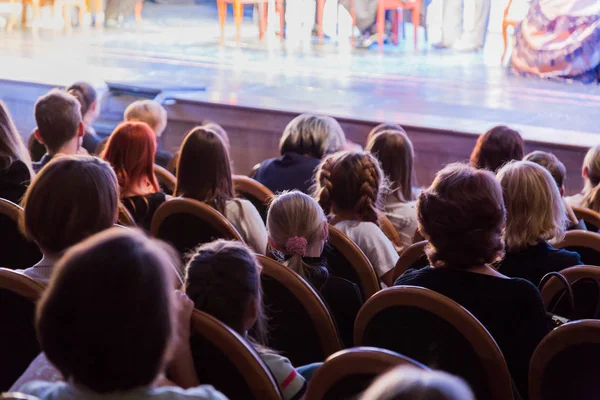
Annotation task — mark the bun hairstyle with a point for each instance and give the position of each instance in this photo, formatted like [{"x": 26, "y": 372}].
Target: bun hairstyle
[
  {"x": 462, "y": 215},
  {"x": 295, "y": 222},
  {"x": 85, "y": 95},
  {"x": 591, "y": 192},
  {"x": 351, "y": 182}
]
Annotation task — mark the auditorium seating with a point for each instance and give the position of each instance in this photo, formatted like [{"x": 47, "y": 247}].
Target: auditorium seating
[
  {"x": 590, "y": 217},
  {"x": 413, "y": 257},
  {"x": 166, "y": 180},
  {"x": 16, "y": 252},
  {"x": 255, "y": 192},
  {"x": 580, "y": 300},
  {"x": 587, "y": 244}
]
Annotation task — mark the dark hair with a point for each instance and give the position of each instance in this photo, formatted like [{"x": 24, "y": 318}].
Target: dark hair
[
  {"x": 72, "y": 197},
  {"x": 384, "y": 128},
  {"x": 222, "y": 278},
  {"x": 58, "y": 116},
  {"x": 204, "y": 169},
  {"x": 85, "y": 95},
  {"x": 395, "y": 152},
  {"x": 462, "y": 215},
  {"x": 105, "y": 321},
  {"x": 551, "y": 163},
  {"x": 496, "y": 147},
  {"x": 351, "y": 182}
]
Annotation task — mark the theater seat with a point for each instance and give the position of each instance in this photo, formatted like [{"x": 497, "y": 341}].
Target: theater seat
[
  {"x": 413, "y": 257},
  {"x": 587, "y": 244},
  {"x": 255, "y": 192},
  {"x": 16, "y": 252},
  {"x": 585, "y": 287}
]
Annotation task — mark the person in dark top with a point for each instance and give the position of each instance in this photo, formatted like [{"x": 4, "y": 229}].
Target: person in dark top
[
  {"x": 297, "y": 230},
  {"x": 305, "y": 141},
  {"x": 130, "y": 150},
  {"x": 90, "y": 111},
  {"x": 462, "y": 216},
  {"x": 59, "y": 125},
  {"x": 15, "y": 164},
  {"x": 535, "y": 213}
]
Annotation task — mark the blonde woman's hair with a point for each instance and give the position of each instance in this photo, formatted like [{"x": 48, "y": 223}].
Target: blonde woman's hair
[
  {"x": 150, "y": 112},
  {"x": 534, "y": 208},
  {"x": 312, "y": 135},
  {"x": 410, "y": 383},
  {"x": 295, "y": 222},
  {"x": 591, "y": 191},
  {"x": 12, "y": 147}
]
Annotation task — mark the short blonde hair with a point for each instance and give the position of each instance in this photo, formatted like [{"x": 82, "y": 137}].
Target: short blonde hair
[
  {"x": 534, "y": 208},
  {"x": 409, "y": 383},
  {"x": 313, "y": 135},
  {"x": 150, "y": 112},
  {"x": 591, "y": 192}
]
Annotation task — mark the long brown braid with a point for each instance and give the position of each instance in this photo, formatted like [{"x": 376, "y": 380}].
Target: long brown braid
[
  {"x": 324, "y": 187},
  {"x": 370, "y": 175}
]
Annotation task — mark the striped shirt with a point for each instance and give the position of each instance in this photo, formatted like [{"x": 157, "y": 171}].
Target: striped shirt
[{"x": 291, "y": 383}]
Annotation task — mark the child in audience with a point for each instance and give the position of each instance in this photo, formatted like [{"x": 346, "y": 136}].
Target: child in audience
[
  {"x": 394, "y": 151},
  {"x": 204, "y": 174},
  {"x": 409, "y": 383},
  {"x": 59, "y": 125},
  {"x": 297, "y": 230},
  {"x": 110, "y": 322},
  {"x": 462, "y": 216},
  {"x": 350, "y": 187},
  {"x": 155, "y": 115},
  {"x": 383, "y": 127},
  {"x": 223, "y": 279},
  {"x": 15, "y": 163},
  {"x": 496, "y": 147},
  {"x": 130, "y": 150},
  {"x": 559, "y": 173},
  {"x": 535, "y": 213},
  {"x": 73, "y": 197},
  {"x": 590, "y": 195},
  {"x": 305, "y": 141},
  {"x": 90, "y": 111}
]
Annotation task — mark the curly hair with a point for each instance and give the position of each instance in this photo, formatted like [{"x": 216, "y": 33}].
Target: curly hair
[
  {"x": 462, "y": 215},
  {"x": 351, "y": 182}
]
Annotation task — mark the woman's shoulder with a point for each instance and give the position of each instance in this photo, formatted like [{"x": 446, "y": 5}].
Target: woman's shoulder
[
  {"x": 566, "y": 257},
  {"x": 18, "y": 169}
]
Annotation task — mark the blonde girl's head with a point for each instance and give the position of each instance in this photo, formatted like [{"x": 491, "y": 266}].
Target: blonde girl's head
[{"x": 297, "y": 228}]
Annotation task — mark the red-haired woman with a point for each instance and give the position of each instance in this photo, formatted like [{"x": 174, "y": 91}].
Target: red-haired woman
[{"x": 130, "y": 150}]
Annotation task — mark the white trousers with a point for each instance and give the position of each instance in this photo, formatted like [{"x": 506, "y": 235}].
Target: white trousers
[{"x": 452, "y": 23}]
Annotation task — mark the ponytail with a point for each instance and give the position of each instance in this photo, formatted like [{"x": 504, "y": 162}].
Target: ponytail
[{"x": 591, "y": 197}]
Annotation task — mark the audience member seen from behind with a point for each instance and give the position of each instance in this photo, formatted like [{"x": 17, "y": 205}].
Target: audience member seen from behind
[
  {"x": 125, "y": 326},
  {"x": 130, "y": 150},
  {"x": 383, "y": 128},
  {"x": 73, "y": 197},
  {"x": 223, "y": 279},
  {"x": 395, "y": 152},
  {"x": 535, "y": 213},
  {"x": 496, "y": 147},
  {"x": 559, "y": 173},
  {"x": 410, "y": 383},
  {"x": 298, "y": 231},
  {"x": 350, "y": 187},
  {"x": 462, "y": 216},
  {"x": 59, "y": 125},
  {"x": 204, "y": 174},
  {"x": 305, "y": 141},
  {"x": 90, "y": 111},
  {"x": 155, "y": 115},
  {"x": 15, "y": 163},
  {"x": 590, "y": 195}
]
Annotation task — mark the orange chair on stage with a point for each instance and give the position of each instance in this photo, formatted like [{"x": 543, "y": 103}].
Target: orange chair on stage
[
  {"x": 397, "y": 6},
  {"x": 238, "y": 15},
  {"x": 506, "y": 22},
  {"x": 320, "y": 11}
]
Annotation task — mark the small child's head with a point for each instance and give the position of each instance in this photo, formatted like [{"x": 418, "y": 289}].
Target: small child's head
[
  {"x": 552, "y": 164},
  {"x": 297, "y": 228},
  {"x": 409, "y": 383},
  {"x": 150, "y": 112},
  {"x": 88, "y": 99},
  {"x": 384, "y": 128},
  {"x": 222, "y": 278},
  {"x": 351, "y": 184},
  {"x": 106, "y": 320}
]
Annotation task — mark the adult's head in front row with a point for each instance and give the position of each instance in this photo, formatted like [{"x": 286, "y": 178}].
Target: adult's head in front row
[
  {"x": 312, "y": 135},
  {"x": 59, "y": 122},
  {"x": 116, "y": 279},
  {"x": 71, "y": 198},
  {"x": 462, "y": 215}
]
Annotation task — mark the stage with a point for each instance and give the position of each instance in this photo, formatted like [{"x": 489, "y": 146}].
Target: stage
[{"x": 254, "y": 87}]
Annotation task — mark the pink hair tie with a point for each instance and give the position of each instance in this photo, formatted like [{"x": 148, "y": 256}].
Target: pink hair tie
[{"x": 296, "y": 245}]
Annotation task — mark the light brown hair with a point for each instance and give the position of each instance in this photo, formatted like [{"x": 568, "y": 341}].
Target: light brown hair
[
  {"x": 12, "y": 147},
  {"x": 384, "y": 128},
  {"x": 58, "y": 117},
  {"x": 312, "y": 135},
  {"x": 71, "y": 198},
  {"x": 106, "y": 319},
  {"x": 395, "y": 152},
  {"x": 535, "y": 210},
  {"x": 551, "y": 163},
  {"x": 204, "y": 169},
  {"x": 150, "y": 112},
  {"x": 351, "y": 182},
  {"x": 462, "y": 215},
  {"x": 591, "y": 191},
  {"x": 496, "y": 147}
]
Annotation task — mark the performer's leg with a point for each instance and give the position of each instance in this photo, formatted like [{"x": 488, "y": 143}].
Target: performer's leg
[
  {"x": 452, "y": 22},
  {"x": 482, "y": 18}
]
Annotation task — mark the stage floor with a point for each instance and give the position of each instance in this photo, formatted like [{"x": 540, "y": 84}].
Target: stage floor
[{"x": 178, "y": 47}]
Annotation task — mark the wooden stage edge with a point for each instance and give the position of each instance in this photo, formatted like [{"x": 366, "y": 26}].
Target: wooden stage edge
[{"x": 255, "y": 132}]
